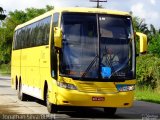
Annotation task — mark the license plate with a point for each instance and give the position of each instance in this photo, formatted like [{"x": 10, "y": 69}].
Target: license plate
[{"x": 98, "y": 98}]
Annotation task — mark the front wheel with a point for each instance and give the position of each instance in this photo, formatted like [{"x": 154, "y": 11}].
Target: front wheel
[
  {"x": 110, "y": 111},
  {"x": 52, "y": 108}
]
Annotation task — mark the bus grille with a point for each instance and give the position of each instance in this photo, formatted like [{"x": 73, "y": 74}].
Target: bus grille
[{"x": 96, "y": 89}]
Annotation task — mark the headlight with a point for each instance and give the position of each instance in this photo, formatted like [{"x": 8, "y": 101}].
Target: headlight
[
  {"x": 124, "y": 88},
  {"x": 67, "y": 86}
]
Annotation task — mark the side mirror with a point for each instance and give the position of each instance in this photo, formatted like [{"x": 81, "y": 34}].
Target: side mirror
[
  {"x": 57, "y": 37},
  {"x": 143, "y": 42}
]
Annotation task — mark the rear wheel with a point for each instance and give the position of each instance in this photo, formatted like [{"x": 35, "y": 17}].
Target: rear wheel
[
  {"x": 52, "y": 108},
  {"x": 21, "y": 95},
  {"x": 110, "y": 111},
  {"x": 16, "y": 83}
]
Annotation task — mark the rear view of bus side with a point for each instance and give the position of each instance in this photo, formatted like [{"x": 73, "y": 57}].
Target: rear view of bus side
[{"x": 77, "y": 57}]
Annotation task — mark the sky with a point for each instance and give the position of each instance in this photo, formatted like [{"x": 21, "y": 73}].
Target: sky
[{"x": 148, "y": 10}]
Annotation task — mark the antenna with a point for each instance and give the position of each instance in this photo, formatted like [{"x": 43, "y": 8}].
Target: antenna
[{"x": 98, "y": 1}]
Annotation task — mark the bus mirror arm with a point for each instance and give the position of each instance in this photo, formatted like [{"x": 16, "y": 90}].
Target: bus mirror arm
[{"x": 57, "y": 37}]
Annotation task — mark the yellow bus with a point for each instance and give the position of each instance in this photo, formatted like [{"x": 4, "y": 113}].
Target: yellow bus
[{"x": 77, "y": 57}]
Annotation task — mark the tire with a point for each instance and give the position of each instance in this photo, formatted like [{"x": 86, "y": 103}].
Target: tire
[
  {"x": 110, "y": 111},
  {"x": 16, "y": 84},
  {"x": 52, "y": 108},
  {"x": 21, "y": 95}
]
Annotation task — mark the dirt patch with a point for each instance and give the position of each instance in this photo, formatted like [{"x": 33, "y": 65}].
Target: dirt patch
[{"x": 7, "y": 110}]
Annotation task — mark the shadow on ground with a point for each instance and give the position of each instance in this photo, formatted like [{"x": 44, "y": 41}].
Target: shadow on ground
[{"x": 68, "y": 113}]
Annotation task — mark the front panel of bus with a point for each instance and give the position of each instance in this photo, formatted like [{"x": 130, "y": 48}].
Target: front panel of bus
[{"x": 96, "y": 61}]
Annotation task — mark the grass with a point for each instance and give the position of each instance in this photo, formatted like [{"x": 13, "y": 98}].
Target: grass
[
  {"x": 5, "y": 69},
  {"x": 147, "y": 95}
]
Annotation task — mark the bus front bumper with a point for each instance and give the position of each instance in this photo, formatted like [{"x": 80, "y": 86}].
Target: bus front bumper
[{"x": 76, "y": 98}]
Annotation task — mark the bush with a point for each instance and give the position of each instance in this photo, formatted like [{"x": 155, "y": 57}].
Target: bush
[
  {"x": 154, "y": 44},
  {"x": 148, "y": 71},
  {"x": 5, "y": 69}
]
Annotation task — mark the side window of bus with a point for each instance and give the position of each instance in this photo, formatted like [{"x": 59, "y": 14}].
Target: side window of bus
[
  {"x": 55, "y": 19},
  {"x": 43, "y": 31},
  {"x": 16, "y": 42},
  {"x": 35, "y": 34}
]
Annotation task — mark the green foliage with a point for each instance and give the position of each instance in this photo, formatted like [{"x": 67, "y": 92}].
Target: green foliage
[
  {"x": 147, "y": 94},
  {"x": 5, "y": 69},
  {"x": 154, "y": 45},
  {"x": 7, "y": 29},
  {"x": 152, "y": 34},
  {"x": 148, "y": 71},
  {"x": 148, "y": 66},
  {"x": 154, "y": 42},
  {"x": 2, "y": 16},
  {"x": 140, "y": 25}
]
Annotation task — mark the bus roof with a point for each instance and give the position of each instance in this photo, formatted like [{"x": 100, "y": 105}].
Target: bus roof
[
  {"x": 93, "y": 10},
  {"x": 74, "y": 9}
]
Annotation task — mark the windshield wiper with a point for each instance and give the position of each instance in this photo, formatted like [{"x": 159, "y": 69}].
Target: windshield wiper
[{"x": 89, "y": 66}]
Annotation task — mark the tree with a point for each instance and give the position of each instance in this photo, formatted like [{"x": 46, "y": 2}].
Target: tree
[
  {"x": 154, "y": 45},
  {"x": 2, "y": 16},
  {"x": 140, "y": 25},
  {"x": 7, "y": 29},
  {"x": 152, "y": 30}
]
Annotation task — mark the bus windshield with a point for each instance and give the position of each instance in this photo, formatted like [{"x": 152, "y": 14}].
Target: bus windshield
[{"x": 97, "y": 46}]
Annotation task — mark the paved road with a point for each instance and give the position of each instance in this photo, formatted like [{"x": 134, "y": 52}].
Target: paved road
[{"x": 9, "y": 104}]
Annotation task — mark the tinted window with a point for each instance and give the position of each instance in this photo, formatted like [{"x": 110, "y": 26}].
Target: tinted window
[
  {"x": 16, "y": 43},
  {"x": 15, "y": 40},
  {"x": 55, "y": 19},
  {"x": 35, "y": 34},
  {"x": 80, "y": 45}
]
